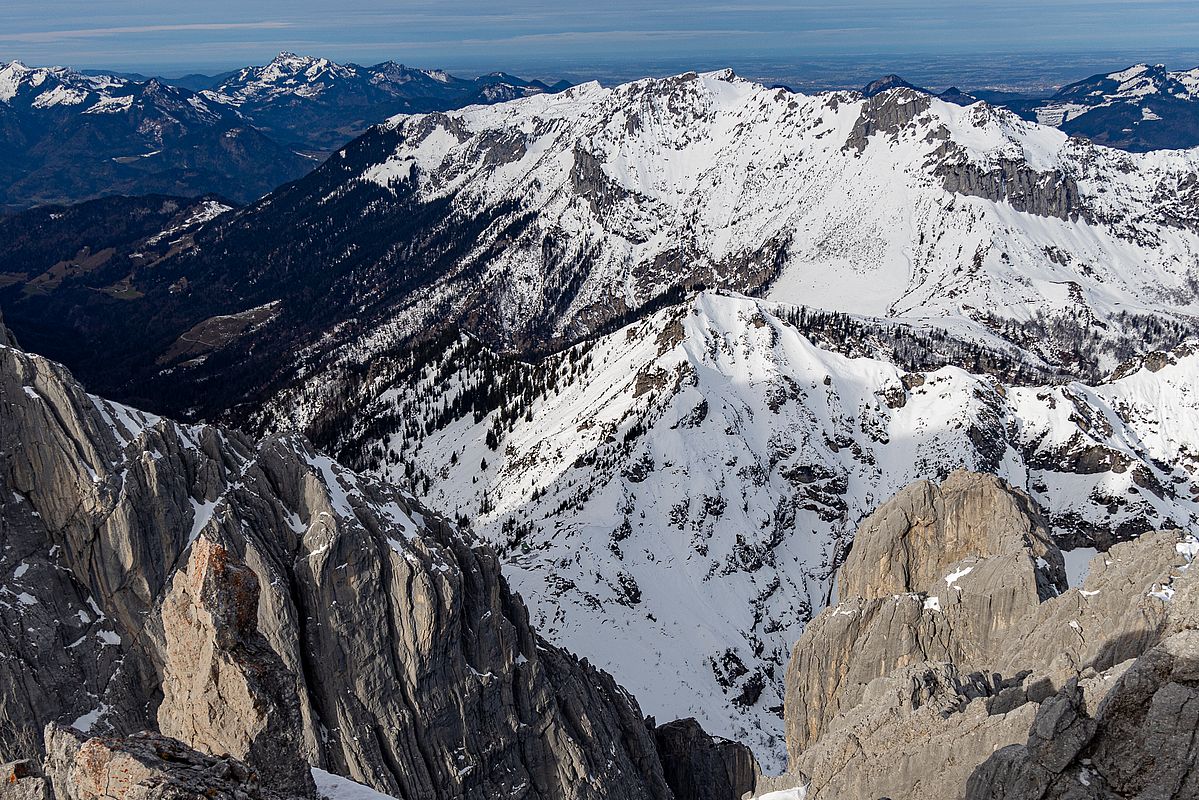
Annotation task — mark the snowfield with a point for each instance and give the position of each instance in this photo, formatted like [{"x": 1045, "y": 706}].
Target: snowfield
[
  {"x": 899, "y": 205},
  {"x": 671, "y": 495},
  {"x": 674, "y": 506}
]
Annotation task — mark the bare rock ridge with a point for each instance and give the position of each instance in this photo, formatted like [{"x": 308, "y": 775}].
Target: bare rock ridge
[
  {"x": 955, "y": 637},
  {"x": 143, "y": 766},
  {"x": 1138, "y": 741},
  {"x": 343, "y": 626},
  {"x": 224, "y": 689}
]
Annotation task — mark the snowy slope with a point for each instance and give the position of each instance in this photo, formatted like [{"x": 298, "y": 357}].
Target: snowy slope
[
  {"x": 1135, "y": 85},
  {"x": 1143, "y": 107},
  {"x": 899, "y": 205},
  {"x": 69, "y": 137},
  {"x": 671, "y": 498}
]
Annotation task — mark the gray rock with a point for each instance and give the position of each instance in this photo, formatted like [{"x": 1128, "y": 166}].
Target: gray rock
[
  {"x": 917, "y": 733},
  {"x": 1012, "y": 181},
  {"x": 23, "y": 780},
  {"x": 912, "y": 541},
  {"x": 886, "y": 113},
  {"x": 1141, "y": 742},
  {"x": 144, "y": 766},
  {"x": 698, "y": 767},
  {"x": 936, "y": 574},
  {"x": 415, "y": 667},
  {"x": 954, "y": 644}
]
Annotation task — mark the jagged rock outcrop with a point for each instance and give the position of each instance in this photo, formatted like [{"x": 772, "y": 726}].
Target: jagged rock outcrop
[
  {"x": 1138, "y": 741},
  {"x": 144, "y": 766},
  {"x": 415, "y": 667},
  {"x": 24, "y": 779},
  {"x": 911, "y": 732},
  {"x": 959, "y": 638},
  {"x": 1043, "y": 193},
  {"x": 900, "y": 601},
  {"x": 912, "y": 540},
  {"x": 886, "y": 113},
  {"x": 699, "y": 767},
  {"x": 225, "y": 691}
]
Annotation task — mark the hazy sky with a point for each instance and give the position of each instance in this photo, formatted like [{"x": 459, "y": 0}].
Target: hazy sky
[{"x": 173, "y": 35}]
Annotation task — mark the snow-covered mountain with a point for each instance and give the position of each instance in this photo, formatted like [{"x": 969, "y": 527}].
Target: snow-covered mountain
[
  {"x": 672, "y": 480},
  {"x": 1144, "y": 107},
  {"x": 552, "y": 218},
  {"x": 597, "y": 200},
  {"x": 672, "y": 497},
  {"x": 70, "y": 136},
  {"x": 320, "y": 104}
]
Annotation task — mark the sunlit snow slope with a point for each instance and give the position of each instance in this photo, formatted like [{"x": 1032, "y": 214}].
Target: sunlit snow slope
[
  {"x": 671, "y": 499},
  {"x": 671, "y": 496},
  {"x": 899, "y": 205}
]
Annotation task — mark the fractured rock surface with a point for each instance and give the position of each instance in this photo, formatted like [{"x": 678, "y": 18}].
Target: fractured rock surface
[
  {"x": 224, "y": 689},
  {"x": 144, "y": 766},
  {"x": 1138, "y": 741},
  {"x": 413, "y": 667},
  {"x": 955, "y": 637}
]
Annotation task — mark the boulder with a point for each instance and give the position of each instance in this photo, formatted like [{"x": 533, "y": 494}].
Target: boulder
[{"x": 144, "y": 766}]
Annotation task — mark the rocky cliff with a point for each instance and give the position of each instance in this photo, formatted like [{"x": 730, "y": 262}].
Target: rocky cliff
[
  {"x": 224, "y": 689},
  {"x": 165, "y": 577},
  {"x": 955, "y": 637},
  {"x": 1134, "y": 739}
]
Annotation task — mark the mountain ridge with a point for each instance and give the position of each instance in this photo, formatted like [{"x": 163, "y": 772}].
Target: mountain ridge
[{"x": 78, "y": 135}]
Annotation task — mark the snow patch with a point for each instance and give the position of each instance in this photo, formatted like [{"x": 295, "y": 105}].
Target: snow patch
[
  {"x": 335, "y": 787},
  {"x": 1078, "y": 565}
]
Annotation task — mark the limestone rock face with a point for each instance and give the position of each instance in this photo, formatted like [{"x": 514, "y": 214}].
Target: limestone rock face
[
  {"x": 415, "y": 668},
  {"x": 225, "y": 691},
  {"x": 955, "y": 637},
  {"x": 1045, "y": 194},
  {"x": 912, "y": 732},
  {"x": 1139, "y": 742},
  {"x": 144, "y": 766},
  {"x": 915, "y": 538},
  {"x": 23, "y": 780},
  {"x": 937, "y": 573},
  {"x": 698, "y": 767}
]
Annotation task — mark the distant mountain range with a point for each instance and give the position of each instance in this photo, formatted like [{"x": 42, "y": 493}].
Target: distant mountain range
[
  {"x": 1141, "y": 108},
  {"x": 71, "y": 136},
  {"x": 317, "y": 104}
]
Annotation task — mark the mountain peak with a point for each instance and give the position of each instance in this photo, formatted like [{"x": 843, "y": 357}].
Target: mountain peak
[
  {"x": 888, "y": 82},
  {"x": 725, "y": 74}
]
